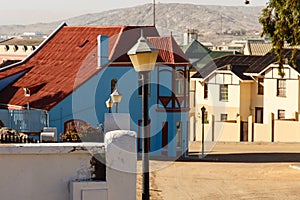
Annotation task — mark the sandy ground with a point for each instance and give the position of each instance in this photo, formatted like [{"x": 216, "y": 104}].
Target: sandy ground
[{"x": 229, "y": 171}]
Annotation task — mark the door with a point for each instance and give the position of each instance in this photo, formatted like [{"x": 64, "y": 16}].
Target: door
[
  {"x": 244, "y": 131},
  {"x": 164, "y": 139},
  {"x": 259, "y": 115}
]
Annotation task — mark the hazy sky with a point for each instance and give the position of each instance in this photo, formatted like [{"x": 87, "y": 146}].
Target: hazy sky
[{"x": 33, "y": 11}]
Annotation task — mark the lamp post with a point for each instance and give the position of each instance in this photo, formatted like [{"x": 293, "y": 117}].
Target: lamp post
[
  {"x": 116, "y": 97},
  {"x": 109, "y": 104},
  {"x": 202, "y": 140},
  {"x": 143, "y": 57}
]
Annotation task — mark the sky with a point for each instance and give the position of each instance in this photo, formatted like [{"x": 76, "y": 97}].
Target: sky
[{"x": 34, "y": 11}]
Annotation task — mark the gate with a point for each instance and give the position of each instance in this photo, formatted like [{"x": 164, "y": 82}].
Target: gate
[{"x": 244, "y": 131}]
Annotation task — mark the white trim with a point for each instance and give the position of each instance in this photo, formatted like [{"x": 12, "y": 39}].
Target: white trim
[
  {"x": 248, "y": 81},
  {"x": 251, "y": 74},
  {"x": 276, "y": 66},
  {"x": 223, "y": 72}
]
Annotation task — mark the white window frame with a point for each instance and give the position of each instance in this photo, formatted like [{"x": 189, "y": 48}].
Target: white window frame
[{"x": 224, "y": 92}]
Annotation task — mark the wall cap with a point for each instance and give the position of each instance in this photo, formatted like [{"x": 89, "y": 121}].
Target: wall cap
[{"x": 52, "y": 148}]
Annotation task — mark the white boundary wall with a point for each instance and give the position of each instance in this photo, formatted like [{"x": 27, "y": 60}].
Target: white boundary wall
[{"x": 60, "y": 170}]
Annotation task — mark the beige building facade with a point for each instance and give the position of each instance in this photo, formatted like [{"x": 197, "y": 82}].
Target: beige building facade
[
  {"x": 246, "y": 100},
  {"x": 17, "y": 48}
]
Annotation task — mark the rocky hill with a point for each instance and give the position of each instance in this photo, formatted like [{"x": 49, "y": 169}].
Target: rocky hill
[{"x": 216, "y": 24}]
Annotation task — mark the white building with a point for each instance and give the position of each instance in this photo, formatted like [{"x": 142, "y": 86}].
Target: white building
[{"x": 234, "y": 87}]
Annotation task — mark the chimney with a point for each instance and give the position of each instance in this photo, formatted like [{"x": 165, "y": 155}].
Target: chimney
[
  {"x": 102, "y": 50},
  {"x": 189, "y": 36}
]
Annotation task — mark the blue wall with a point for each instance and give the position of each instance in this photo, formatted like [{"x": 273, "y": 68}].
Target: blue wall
[
  {"x": 88, "y": 103},
  {"x": 6, "y": 81}
]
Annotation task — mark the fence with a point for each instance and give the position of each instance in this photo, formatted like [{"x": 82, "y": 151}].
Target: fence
[
  {"x": 10, "y": 139},
  {"x": 24, "y": 120}
]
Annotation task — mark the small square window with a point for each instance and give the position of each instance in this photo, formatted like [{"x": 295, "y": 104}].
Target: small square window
[
  {"x": 205, "y": 90},
  {"x": 281, "y": 114},
  {"x": 223, "y": 117},
  {"x": 206, "y": 117}
]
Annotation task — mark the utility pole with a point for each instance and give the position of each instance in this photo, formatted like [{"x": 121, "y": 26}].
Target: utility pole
[{"x": 153, "y": 12}]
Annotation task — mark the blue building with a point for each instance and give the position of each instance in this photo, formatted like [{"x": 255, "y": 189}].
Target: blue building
[{"x": 72, "y": 74}]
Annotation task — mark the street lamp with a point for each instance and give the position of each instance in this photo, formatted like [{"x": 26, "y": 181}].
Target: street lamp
[
  {"x": 109, "y": 104},
  {"x": 203, "y": 121},
  {"x": 116, "y": 97},
  {"x": 143, "y": 57}
]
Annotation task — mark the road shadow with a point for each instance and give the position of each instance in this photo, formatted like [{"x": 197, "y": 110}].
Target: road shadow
[{"x": 245, "y": 158}]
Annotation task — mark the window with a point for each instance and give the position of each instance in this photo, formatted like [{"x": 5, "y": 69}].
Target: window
[
  {"x": 74, "y": 125},
  {"x": 140, "y": 82},
  {"x": 205, "y": 90},
  {"x": 281, "y": 114},
  {"x": 223, "y": 92},
  {"x": 223, "y": 117},
  {"x": 178, "y": 134},
  {"x": 260, "y": 86},
  {"x": 179, "y": 83},
  {"x": 113, "y": 85},
  {"x": 206, "y": 117},
  {"x": 281, "y": 87},
  {"x": 259, "y": 115},
  {"x": 164, "y": 135}
]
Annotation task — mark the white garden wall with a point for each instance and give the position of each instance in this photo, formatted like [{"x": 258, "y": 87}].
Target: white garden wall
[{"x": 62, "y": 171}]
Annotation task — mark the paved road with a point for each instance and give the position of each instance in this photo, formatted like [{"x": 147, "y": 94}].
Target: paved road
[{"x": 231, "y": 171}]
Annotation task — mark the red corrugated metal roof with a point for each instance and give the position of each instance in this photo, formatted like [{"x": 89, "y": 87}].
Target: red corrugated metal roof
[
  {"x": 54, "y": 69},
  {"x": 169, "y": 51}
]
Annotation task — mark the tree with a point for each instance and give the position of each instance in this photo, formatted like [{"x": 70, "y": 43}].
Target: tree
[{"x": 281, "y": 22}]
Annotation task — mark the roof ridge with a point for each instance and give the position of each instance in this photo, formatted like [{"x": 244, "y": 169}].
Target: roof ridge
[
  {"x": 112, "y": 52},
  {"x": 171, "y": 41},
  {"x": 7, "y": 40}
]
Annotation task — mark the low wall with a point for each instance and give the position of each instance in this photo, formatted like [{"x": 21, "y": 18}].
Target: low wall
[
  {"x": 217, "y": 131},
  {"x": 53, "y": 171},
  {"x": 286, "y": 131},
  {"x": 227, "y": 131},
  {"x": 262, "y": 133}
]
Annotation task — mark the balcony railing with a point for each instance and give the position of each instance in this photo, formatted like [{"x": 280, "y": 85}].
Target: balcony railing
[{"x": 25, "y": 121}]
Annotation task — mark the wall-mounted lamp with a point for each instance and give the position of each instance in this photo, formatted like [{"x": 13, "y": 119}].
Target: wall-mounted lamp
[
  {"x": 116, "y": 97},
  {"x": 109, "y": 104}
]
